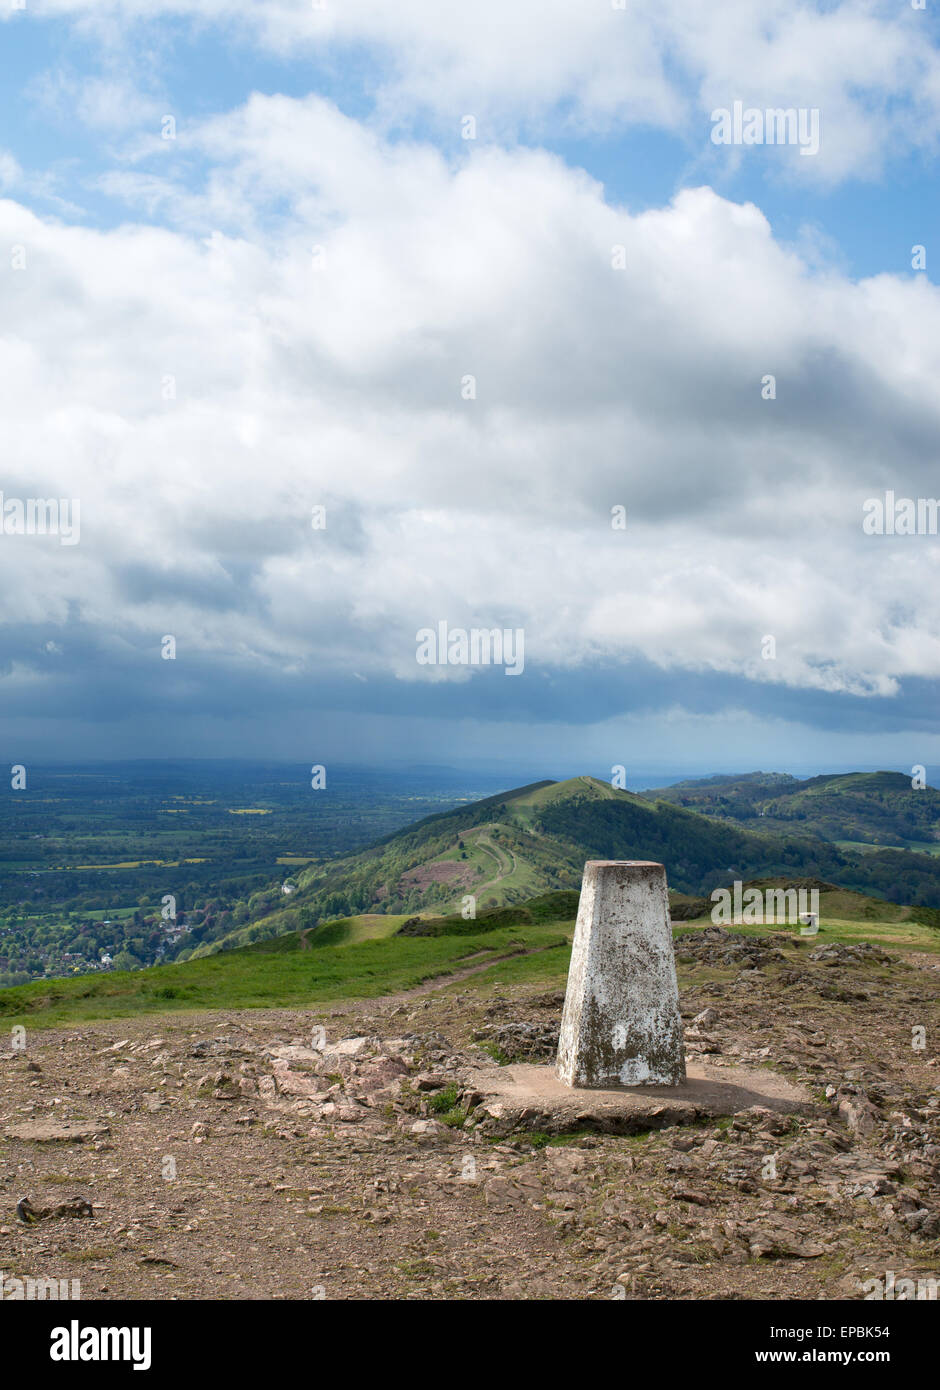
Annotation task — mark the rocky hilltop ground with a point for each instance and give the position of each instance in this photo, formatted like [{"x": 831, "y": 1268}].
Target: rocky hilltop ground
[{"x": 347, "y": 1153}]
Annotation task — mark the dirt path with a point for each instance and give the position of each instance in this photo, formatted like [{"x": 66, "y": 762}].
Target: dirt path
[
  {"x": 503, "y": 858},
  {"x": 440, "y": 981}
]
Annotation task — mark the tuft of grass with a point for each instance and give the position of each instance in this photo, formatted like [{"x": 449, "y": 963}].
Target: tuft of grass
[
  {"x": 537, "y": 1139},
  {"x": 454, "y": 1118},
  {"x": 444, "y": 1100}
]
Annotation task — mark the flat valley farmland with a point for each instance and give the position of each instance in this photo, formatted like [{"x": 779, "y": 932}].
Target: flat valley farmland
[{"x": 87, "y": 857}]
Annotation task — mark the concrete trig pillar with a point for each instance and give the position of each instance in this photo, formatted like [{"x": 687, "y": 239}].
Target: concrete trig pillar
[{"x": 621, "y": 1024}]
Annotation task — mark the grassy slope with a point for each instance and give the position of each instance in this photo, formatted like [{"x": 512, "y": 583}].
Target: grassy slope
[
  {"x": 254, "y": 978},
  {"x": 897, "y": 936},
  {"x": 280, "y": 973},
  {"x": 847, "y": 916},
  {"x": 590, "y": 788},
  {"x": 345, "y": 930}
]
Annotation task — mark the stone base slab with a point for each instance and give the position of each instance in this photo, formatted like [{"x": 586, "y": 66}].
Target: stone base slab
[{"x": 527, "y": 1097}]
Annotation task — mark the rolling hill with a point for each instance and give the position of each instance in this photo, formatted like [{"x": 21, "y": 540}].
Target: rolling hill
[
  {"x": 856, "y": 809},
  {"x": 507, "y": 849}
]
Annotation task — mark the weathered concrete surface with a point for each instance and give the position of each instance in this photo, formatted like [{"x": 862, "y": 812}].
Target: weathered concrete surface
[
  {"x": 621, "y": 1024},
  {"x": 528, "y": 1097}
]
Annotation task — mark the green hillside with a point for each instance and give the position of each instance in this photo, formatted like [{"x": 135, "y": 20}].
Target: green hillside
[
  {"x": 370, "y": 956},
  {"x": 856, "y": 809},
  {"x": 836, "y": 904},
  {"x": 275, "y": 974},
  {"x": 507, "y": 849}
]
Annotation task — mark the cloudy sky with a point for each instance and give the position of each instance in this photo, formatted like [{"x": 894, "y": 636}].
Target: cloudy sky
[{"x": 477, "y": 281}]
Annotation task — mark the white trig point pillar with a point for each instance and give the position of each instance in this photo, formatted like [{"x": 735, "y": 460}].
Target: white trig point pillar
[{"x": 621, "y": 1024}]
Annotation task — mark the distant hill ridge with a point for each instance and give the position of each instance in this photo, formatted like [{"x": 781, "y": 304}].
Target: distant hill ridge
[{"x": 860, "y": 808}]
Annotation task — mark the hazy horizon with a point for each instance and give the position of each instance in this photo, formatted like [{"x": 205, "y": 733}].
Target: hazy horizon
[{"x": 639, "y": 778}]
